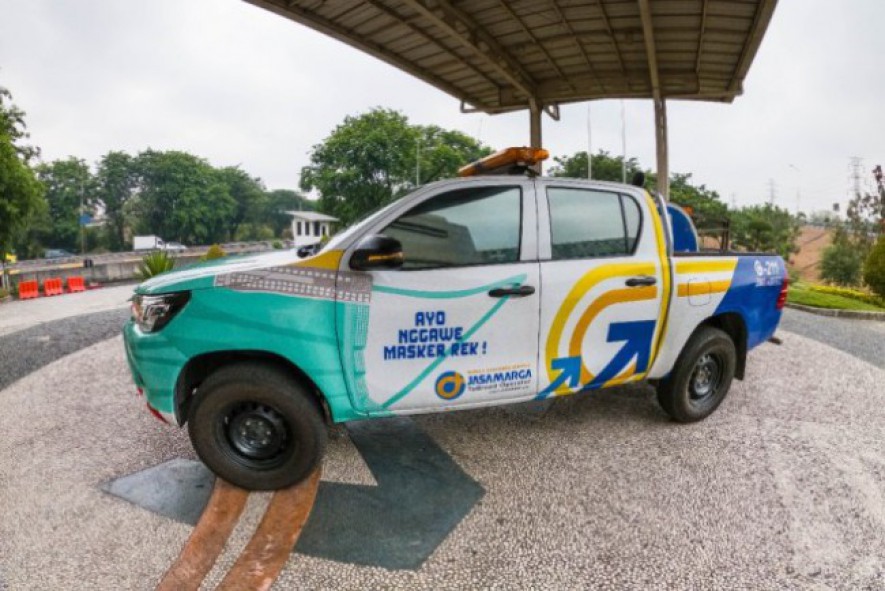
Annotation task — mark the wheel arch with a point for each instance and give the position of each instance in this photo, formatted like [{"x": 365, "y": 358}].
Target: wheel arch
[
  {"x": 733, "y": 324},
  {"x": 199, "y": 367}
]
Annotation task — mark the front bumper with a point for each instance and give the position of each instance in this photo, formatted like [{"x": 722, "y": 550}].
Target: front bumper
[{"x": 155, "y": 365}]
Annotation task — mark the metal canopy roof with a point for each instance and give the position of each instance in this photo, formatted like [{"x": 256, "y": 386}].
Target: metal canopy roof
[{"x": 499, "y": 55}]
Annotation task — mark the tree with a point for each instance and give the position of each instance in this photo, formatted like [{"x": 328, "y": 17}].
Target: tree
[
  {"x": 248, "y": 194},
  {"x": 841, "y": 261},
  {"x": 278, "y": 203},
  {"x": 21, "y": 195},
  {"x": 874, "y": 268},
  {"x": 704, "y": 202},
  {"x": 116, "y": 182},
  {"x": 371, "y": 159},
  {"x": 605, "y": 167},
  {"x": 866, "y": 215},
  {"x": 442, "y": 152},
  {"x": 765, "y": 228},
  {"x": 70, "y": 193},
  {"x": 181, "y": 197}
]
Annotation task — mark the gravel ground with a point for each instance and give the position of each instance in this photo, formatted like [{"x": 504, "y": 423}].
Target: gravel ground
[
  {"x": 862, "y": 338},
  {"x": 784, "y": 487},
  {"x": 30, "y": 349}
]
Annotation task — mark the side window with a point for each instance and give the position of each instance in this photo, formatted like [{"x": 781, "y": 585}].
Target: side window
[
  {"x": 475, "y": 226},
  {"x": 587, "y": 224},
  {"x": 632, "y": 221}
]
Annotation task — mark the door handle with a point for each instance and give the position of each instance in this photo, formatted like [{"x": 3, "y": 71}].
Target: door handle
[
  {"x": 641, "y": 281},
  {"x": 516, "y": 292}
]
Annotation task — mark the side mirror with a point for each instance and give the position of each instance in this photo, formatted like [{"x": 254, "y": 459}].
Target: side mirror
[
  {"x": 377, "y": 252},
  {"x": 309, "y": 250}
]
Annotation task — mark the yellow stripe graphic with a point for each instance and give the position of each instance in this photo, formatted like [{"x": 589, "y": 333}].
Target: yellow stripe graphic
[
  {"x": 702, "y": 288},
  {"x": 708, "y": 266},
  {"x": 327, "y": 260},
  {"x": 663, "y": 317}
]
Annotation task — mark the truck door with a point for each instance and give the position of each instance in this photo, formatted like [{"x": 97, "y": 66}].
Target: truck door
[
  {"x": 457, "y": 325},
  {"x": 604, "y": 286}
]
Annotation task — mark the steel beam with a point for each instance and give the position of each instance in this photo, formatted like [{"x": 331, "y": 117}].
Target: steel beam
[
  {"x": 535, "y": 111},
  {"x": 493, "y": 54},
  {"x": 662, "y": 148},
  {"x": 662, "y": 164}
]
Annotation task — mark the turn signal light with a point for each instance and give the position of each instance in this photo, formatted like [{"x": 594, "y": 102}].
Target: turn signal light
[{"x": 505, "y": 159}]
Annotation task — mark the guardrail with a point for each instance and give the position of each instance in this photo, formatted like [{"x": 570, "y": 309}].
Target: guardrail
[{"x": 133, "y": 256}]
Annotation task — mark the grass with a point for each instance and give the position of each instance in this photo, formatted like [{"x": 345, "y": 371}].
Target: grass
[{"x": 801, "y": 294}]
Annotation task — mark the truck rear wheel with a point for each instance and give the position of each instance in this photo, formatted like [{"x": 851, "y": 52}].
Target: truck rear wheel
[
  {"x": 701, "y": 378},
  {"x": 256, "y": 427}
]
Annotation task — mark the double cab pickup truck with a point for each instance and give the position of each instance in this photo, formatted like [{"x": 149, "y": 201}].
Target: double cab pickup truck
[{"x": 467, "y": 293}]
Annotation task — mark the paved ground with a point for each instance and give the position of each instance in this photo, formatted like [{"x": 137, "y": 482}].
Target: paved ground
[
  {"x": 862, "y": 338},
  {"x": 18, "y": 315},
  {"x": 784, "y": 487},
  {"x": 29, "y": 349}
]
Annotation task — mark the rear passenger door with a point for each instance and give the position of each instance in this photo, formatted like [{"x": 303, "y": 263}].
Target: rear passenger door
[{"x": 603, "y": 290}]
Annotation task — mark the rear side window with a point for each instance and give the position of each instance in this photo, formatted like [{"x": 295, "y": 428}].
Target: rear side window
[
  {"x": 475, "y": 226},
  {"x": 588, "y": 224}
]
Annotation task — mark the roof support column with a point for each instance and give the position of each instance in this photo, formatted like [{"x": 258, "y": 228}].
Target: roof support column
[
  {"x": 535, "y": 129},
  {"x": 663, "y": 164}
]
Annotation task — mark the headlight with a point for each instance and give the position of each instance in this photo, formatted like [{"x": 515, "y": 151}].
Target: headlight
[{"x": 153, "y": 312}]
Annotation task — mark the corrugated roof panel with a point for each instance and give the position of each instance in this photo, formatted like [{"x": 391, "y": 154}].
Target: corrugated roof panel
[{"x": 498, "y": 55}]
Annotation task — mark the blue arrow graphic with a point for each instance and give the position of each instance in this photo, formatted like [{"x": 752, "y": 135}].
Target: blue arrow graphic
[
  {"x": 570, "y": 371},
  {"x": 638, "y": 336}
]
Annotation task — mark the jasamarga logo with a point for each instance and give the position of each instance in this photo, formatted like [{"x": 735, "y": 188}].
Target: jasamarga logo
[{"x": 499, "y": 378}]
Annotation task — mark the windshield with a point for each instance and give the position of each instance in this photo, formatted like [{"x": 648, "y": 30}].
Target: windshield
[{"x": 341, "y": 237}]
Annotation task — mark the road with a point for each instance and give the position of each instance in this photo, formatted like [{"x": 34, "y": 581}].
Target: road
[{"x": 783, "y": 487}]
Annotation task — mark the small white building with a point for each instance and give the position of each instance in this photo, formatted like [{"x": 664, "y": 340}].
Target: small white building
[{"x": 309, "y": 227}]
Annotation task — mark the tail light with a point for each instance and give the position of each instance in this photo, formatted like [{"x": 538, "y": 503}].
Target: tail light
[{"x": 782, "y": 296}]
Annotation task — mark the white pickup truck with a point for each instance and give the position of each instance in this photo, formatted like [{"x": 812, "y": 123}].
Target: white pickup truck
[{"x": 467, "y": 293}]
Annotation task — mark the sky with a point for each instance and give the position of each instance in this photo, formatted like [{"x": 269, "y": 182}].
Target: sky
[{"x": 239, "y": 85}]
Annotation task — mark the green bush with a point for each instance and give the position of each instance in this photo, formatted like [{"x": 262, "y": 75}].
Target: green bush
[
  {"x": 3, "y": 293},
  {"x": 847, "y": 292},
  {"x": 841, "y": 264},
  {"x": 874, "y": 268},
  {"x": 277, "y": 245},
  {"x": 154, "y": 264},
  {"x": 214, "y": 252}
]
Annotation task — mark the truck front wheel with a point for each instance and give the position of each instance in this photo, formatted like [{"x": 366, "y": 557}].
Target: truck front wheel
[
  {"x": 701, "y": 378},
  {"x": 256, "y": 427}
]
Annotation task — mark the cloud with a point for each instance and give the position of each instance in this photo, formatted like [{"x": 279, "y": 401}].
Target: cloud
[{"x": 239, "y": 85}]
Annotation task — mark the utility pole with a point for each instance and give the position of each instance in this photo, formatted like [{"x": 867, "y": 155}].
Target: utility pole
[
  {"x": 418, "y": 162},
  {"x": 589, "y": 147},
  {"x": 772, "y": 191},
  {"x": 855, "y": 164},
  {"x": 81, "y": 220},
  {"x": 623, "y": 143}
]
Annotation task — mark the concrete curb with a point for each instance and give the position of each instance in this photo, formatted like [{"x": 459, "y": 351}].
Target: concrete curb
[{"x": 857, "y": 314}]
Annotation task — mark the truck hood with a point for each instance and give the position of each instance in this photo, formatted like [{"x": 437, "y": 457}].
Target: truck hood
[{"x": 202, "y": 275}]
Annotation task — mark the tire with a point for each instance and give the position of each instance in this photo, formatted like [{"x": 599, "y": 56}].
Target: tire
[
  {"x": 256, "y": 427},
  {"x": 701, "y": 378}
]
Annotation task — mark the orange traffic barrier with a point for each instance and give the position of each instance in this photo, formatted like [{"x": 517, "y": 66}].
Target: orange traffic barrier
[
  {"x": 76, "y": 284},
  {"x": 28, "y": 290},
  {"x": 52, "y": 286}
]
